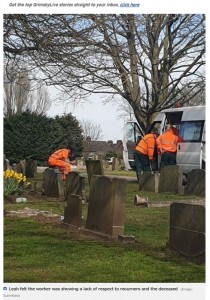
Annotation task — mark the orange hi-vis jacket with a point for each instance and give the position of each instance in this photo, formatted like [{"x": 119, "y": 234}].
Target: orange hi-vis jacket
[
  {"x": 146, "y": 145},
  {"x": 167, "y": 142},
  {"x": 58, "y": 159}
]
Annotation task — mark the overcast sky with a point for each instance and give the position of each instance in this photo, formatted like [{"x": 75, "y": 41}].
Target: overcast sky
[{"x": 104, "y": 114}]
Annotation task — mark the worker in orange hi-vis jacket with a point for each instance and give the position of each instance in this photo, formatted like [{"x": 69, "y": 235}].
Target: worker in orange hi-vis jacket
[
  {"x": 144, "y": 152},
  {"x": 167, "y": 146},
  {"x": 61, "y": 158}
]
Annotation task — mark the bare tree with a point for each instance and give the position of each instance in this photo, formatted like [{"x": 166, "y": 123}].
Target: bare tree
[
  {"x": 146, "y": 59},
  {"x": 91, "y": 130},
  {"x": 16, "y": 91},
  {"x": 125, "y": 111},
  {"x": 40, "y": 101},
  {"x": 21, "y": 94}
]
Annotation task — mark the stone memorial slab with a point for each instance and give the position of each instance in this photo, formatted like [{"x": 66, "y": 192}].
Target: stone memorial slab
[
  {"x": 171, "y": 179},
  {"x": 19, "y": 168},
  {"x": 94, "y": 167},
  {"x": 106, "y": 209},
  {"x": 30, "y": 168},
  {"x": 149, "y": 182},
  {"x": 75, "y": 184},
  {"x": 73, "y": 210},
  {"x": 196, "y": 183},
  {"x": 53, "y": 183},
  {"x": 187, "y": 230},
  {"x": 6, "y": 163}
]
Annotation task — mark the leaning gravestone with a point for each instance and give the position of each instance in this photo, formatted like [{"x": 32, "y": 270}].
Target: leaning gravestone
[
  {"x": 106, "y": 207},
  {"x": 187, "y": 230},
  {"x": 53, "y": 183},
  {"x": 196, "y": 183},
  {"x": 73, "y": 210},
  {"x": 94, "y": 167},
  {"x": 171, "y": 179}
]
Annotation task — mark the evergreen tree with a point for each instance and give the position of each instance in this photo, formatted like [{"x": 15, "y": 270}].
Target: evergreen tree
[{"x": 35, "y": 136}]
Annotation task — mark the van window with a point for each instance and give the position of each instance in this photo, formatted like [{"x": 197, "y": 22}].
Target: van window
[
  {"x": 133, "y": 132},
  {"x": 191, "y": 131},
  {"x": 174, "y": 118}
]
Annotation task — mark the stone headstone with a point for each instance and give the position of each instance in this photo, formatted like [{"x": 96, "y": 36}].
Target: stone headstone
[
  {"x": 73, "y": 210},
  {"x": 196, "y": 183},
  {"x": 94, "y": 167},
  {"x": 30, "y": 168},
  {"x": 19, "y": 168},
  {"x": 75, "y": 184},
  {"x": 6, "y": 163},
  {"x": 38, "y": 186},
  {"x": 106, "y": 207},
  {"x": 171, "y": 179},
  {"x": 149, "y": 182},
  {"x": 114, "y": 163},
  {"x": 187, "y": 230},
  {"x": 53, "y": 183}
]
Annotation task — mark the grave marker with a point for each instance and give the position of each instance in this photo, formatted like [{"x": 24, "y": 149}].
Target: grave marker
[{"x": 106, "y": 207}]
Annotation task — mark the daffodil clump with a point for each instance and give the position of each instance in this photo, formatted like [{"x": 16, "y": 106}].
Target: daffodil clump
[{"x": 13, "y": 182}]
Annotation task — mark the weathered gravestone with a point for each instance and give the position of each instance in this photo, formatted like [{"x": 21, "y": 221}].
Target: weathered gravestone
[
  {"x": 171, "y": 179},
  {"x": 53, "y": 183},
  {"x": 6, "y": 163},
  {"x": 196, "y": 183},
  {"x": 19, "y": 168},
  {"x": 75, "y": 184},
  {"x": 106, "y": 207},
  {"x": 94, "y": 167},
  {"x": 149, "y": 182},
  {"x": 187, "y": 230},
  {"x": 73, "y": 210},
  {"x": 30, "y": 167}
]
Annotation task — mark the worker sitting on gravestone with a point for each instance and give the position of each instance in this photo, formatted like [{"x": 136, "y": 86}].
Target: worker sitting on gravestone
[{"x": 62, "y": 158}]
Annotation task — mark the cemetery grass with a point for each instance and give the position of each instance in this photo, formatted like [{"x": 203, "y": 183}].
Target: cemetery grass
[{"x": 47, "y": 252}]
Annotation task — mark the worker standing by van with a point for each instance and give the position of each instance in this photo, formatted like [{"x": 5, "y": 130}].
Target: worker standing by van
[
  {"x": 61, "y": 158},
  {"x": 167, "y": 146},
  {"x": 144, "y": 152}
]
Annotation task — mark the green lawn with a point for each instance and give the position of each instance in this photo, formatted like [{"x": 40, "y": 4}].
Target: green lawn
[{"x": 47, "y": 252}]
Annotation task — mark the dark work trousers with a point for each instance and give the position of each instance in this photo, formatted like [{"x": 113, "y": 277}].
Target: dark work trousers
[
  {"x": 142, "y": 162},
  {"x": 168, "y": 158}
]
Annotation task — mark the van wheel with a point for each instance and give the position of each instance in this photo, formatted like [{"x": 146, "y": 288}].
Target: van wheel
[{"x": 203, "y": 165}]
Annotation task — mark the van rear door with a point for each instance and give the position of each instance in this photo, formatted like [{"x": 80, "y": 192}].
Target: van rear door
[{"x": 132, "y": 134}]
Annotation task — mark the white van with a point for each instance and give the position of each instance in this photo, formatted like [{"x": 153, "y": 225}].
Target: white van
[{"x": 190, "y": 121}]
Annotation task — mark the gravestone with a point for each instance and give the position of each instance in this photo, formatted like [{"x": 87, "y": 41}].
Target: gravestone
[
  {"x": 196, "y": 183},
  {"x": 75, "y": 184},
  {"x": 94, "y": 167},
  {"x": 171, "y": 179},
  {"x": 19, "y": 168},
  {"x": 149, "y": 182},
  {"x": 106, "y": 207},
  {"x": 38, "y": 186},
  {"x": 73, "y": 210},
  {"x": 6, "y": 163},
  {"x": 53, "y": 183},
  {"x": 30, "y": 167},
  {"x": 187, "y": 230}
]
